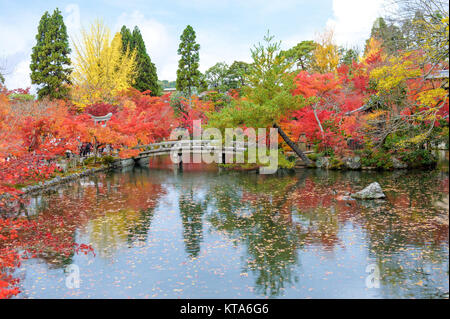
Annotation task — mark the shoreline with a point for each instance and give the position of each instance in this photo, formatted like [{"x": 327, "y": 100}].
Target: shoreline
[{"x": 121, "y": 163}]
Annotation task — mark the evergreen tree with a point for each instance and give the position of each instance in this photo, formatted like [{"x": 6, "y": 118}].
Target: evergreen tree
[
  {"x": 147, "y": 78},
  {"x": 348, "y": 56},
  {"x": 236, "y": 75},
  {"x": 389, "y": 34},
  {"x": 268, "y": 95},
  {"x": 50, "y": 57},
  {"x": 188, "y": 75},
  {"x": 301, "y": 54}
]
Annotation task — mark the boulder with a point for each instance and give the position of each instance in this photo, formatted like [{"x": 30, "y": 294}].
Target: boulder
[
  {"x": 353, "y": 162},
  {"x": 344, "y": 198},
  {"x": 323, "y": 162},
  {"x": 373, "y": 191},
  {"x": 398, "y": 164}
]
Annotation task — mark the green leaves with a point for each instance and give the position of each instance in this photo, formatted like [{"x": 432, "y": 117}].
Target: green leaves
[
  {"x": 268, "y": 97},
  {"x": 301, "y": 54},
  {"x": 50, "y": 62},
  {"x": 188, "y": 75},
  {"x": 147, "y": 78}
]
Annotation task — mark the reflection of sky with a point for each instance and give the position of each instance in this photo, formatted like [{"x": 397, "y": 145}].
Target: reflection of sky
[{"x": 161, "y": 267}]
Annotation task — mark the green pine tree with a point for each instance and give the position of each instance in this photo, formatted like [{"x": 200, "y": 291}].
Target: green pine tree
[
  {"x": 188, "y": 75},
  {"x": 50, "y": 62},
  {"x": 147, "y": 78}
]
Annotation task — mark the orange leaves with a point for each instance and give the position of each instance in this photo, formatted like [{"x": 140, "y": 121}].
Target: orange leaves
[
  {"x": 326, "y": 121},
  {"x": 127, "y": 153},
  {"x": 314, "y": 85}
]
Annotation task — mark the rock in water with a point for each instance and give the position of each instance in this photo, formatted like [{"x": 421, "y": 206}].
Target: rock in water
[
  {"x": 323, "y": 162},
  {"x": 373, "y": 191},
  {"x": 398, "y": 164},
  {"x": 353, "y": 162}
]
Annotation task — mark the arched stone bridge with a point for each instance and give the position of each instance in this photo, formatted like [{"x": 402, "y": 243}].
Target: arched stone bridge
[{"x": 191, "y": 146}]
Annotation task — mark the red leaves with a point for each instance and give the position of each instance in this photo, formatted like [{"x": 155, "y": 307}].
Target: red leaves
[
  {"x": 44, "y": 236},
  {"x": 101, "y": 109},
  {"x": 195, "y": 110},
  {"x": 315, "y": 84},
  {"x": 332, "y": 97}
]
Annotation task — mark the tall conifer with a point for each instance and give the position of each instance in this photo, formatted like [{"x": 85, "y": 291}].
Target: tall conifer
[{"x": 50, "y": 62}]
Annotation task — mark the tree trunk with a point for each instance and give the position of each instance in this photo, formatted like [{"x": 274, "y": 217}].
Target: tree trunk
[
  {"x": 95, "y": 150},
  {"x": 318, "y": 122},
  {"x": 292, "y": 145}
]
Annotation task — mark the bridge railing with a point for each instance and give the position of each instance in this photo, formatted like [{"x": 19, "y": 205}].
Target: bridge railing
[{"x": 193, "y": 146}]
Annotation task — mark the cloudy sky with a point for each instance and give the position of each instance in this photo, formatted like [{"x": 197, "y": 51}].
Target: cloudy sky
[{"x": 226, "y": 29}]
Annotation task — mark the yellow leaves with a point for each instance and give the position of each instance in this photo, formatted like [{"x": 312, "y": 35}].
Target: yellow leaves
[
  {"x": 431, "y": 97},
  {"x": 326, "y": 53},
  {"x": 101, "y": 68},
  {"x": 128, "y": 104},
  {"x": 434, "y": 38},
  {"x": 397, "y": 71},
  {"x": 416, "y": 140},
  {"x": 375, "y": 115},
  {"x": 373, "y": 49}
]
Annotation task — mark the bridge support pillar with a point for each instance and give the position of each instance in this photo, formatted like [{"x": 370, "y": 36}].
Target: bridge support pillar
[
  {"x": 143, "y": 162},
  {"x": 180, "y": 163}
]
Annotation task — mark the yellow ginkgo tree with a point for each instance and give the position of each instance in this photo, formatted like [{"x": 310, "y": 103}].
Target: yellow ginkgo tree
[
  {"x": 101, "y": 69},
  {"x": 326, "y": 53}
]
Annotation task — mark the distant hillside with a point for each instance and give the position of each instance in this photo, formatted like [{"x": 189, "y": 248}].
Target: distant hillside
[{"x": 167, "y": 84}]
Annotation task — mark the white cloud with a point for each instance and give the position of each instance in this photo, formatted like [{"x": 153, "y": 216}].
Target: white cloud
[
  {"x": 21, "y": 39},
  {"x": 289, "y": 42},
  {"x": 160, "y": 42},
  {"x": 17, "y": 36},
  {"x": 352, "y": 20},
  {"x": 72, "y": 19},
  {"x": 20, "y": 76},
  {"x": 220, "y": 47}
]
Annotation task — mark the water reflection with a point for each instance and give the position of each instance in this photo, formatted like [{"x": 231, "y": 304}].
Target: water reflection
[
  {"x": 257, "y": 215},
  {"x": 275, "y": 226},
  {"x": 191, "y": 211}
]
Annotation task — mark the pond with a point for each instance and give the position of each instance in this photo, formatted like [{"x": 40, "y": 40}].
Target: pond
[{"x": 208, "y": 233}]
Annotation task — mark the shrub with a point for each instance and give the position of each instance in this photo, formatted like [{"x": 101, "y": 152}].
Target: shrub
[
  {"x": 418, "y": 158},
  {"x": 378, "y": 158},
  {"x": 314, "y": 156},
  {"x": 101, "y": 109},
  {"x": 107, "y": 160},
  {"x": 21, "y": 97},
  {"x": 336, "y": 163}
]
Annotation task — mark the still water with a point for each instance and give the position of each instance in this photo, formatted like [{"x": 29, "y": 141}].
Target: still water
[{"x": 159, "y": 233}]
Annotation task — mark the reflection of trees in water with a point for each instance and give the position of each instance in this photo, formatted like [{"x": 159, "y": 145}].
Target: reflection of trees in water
[
  {"x": 272, "y": 248},
  {"x": 407, "y": 244},
  {"x": 116, "y": 208},
  {"x": 273, "y": 217},
  {"x": 409, "y": 273},
  {"x": 107, "y": 233},
  {"x": 405, "y": 233},
  {"x": 191, "y": 212},
  {"x": 138, "y": 232},
  {"x": 256, "y": 215}
]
